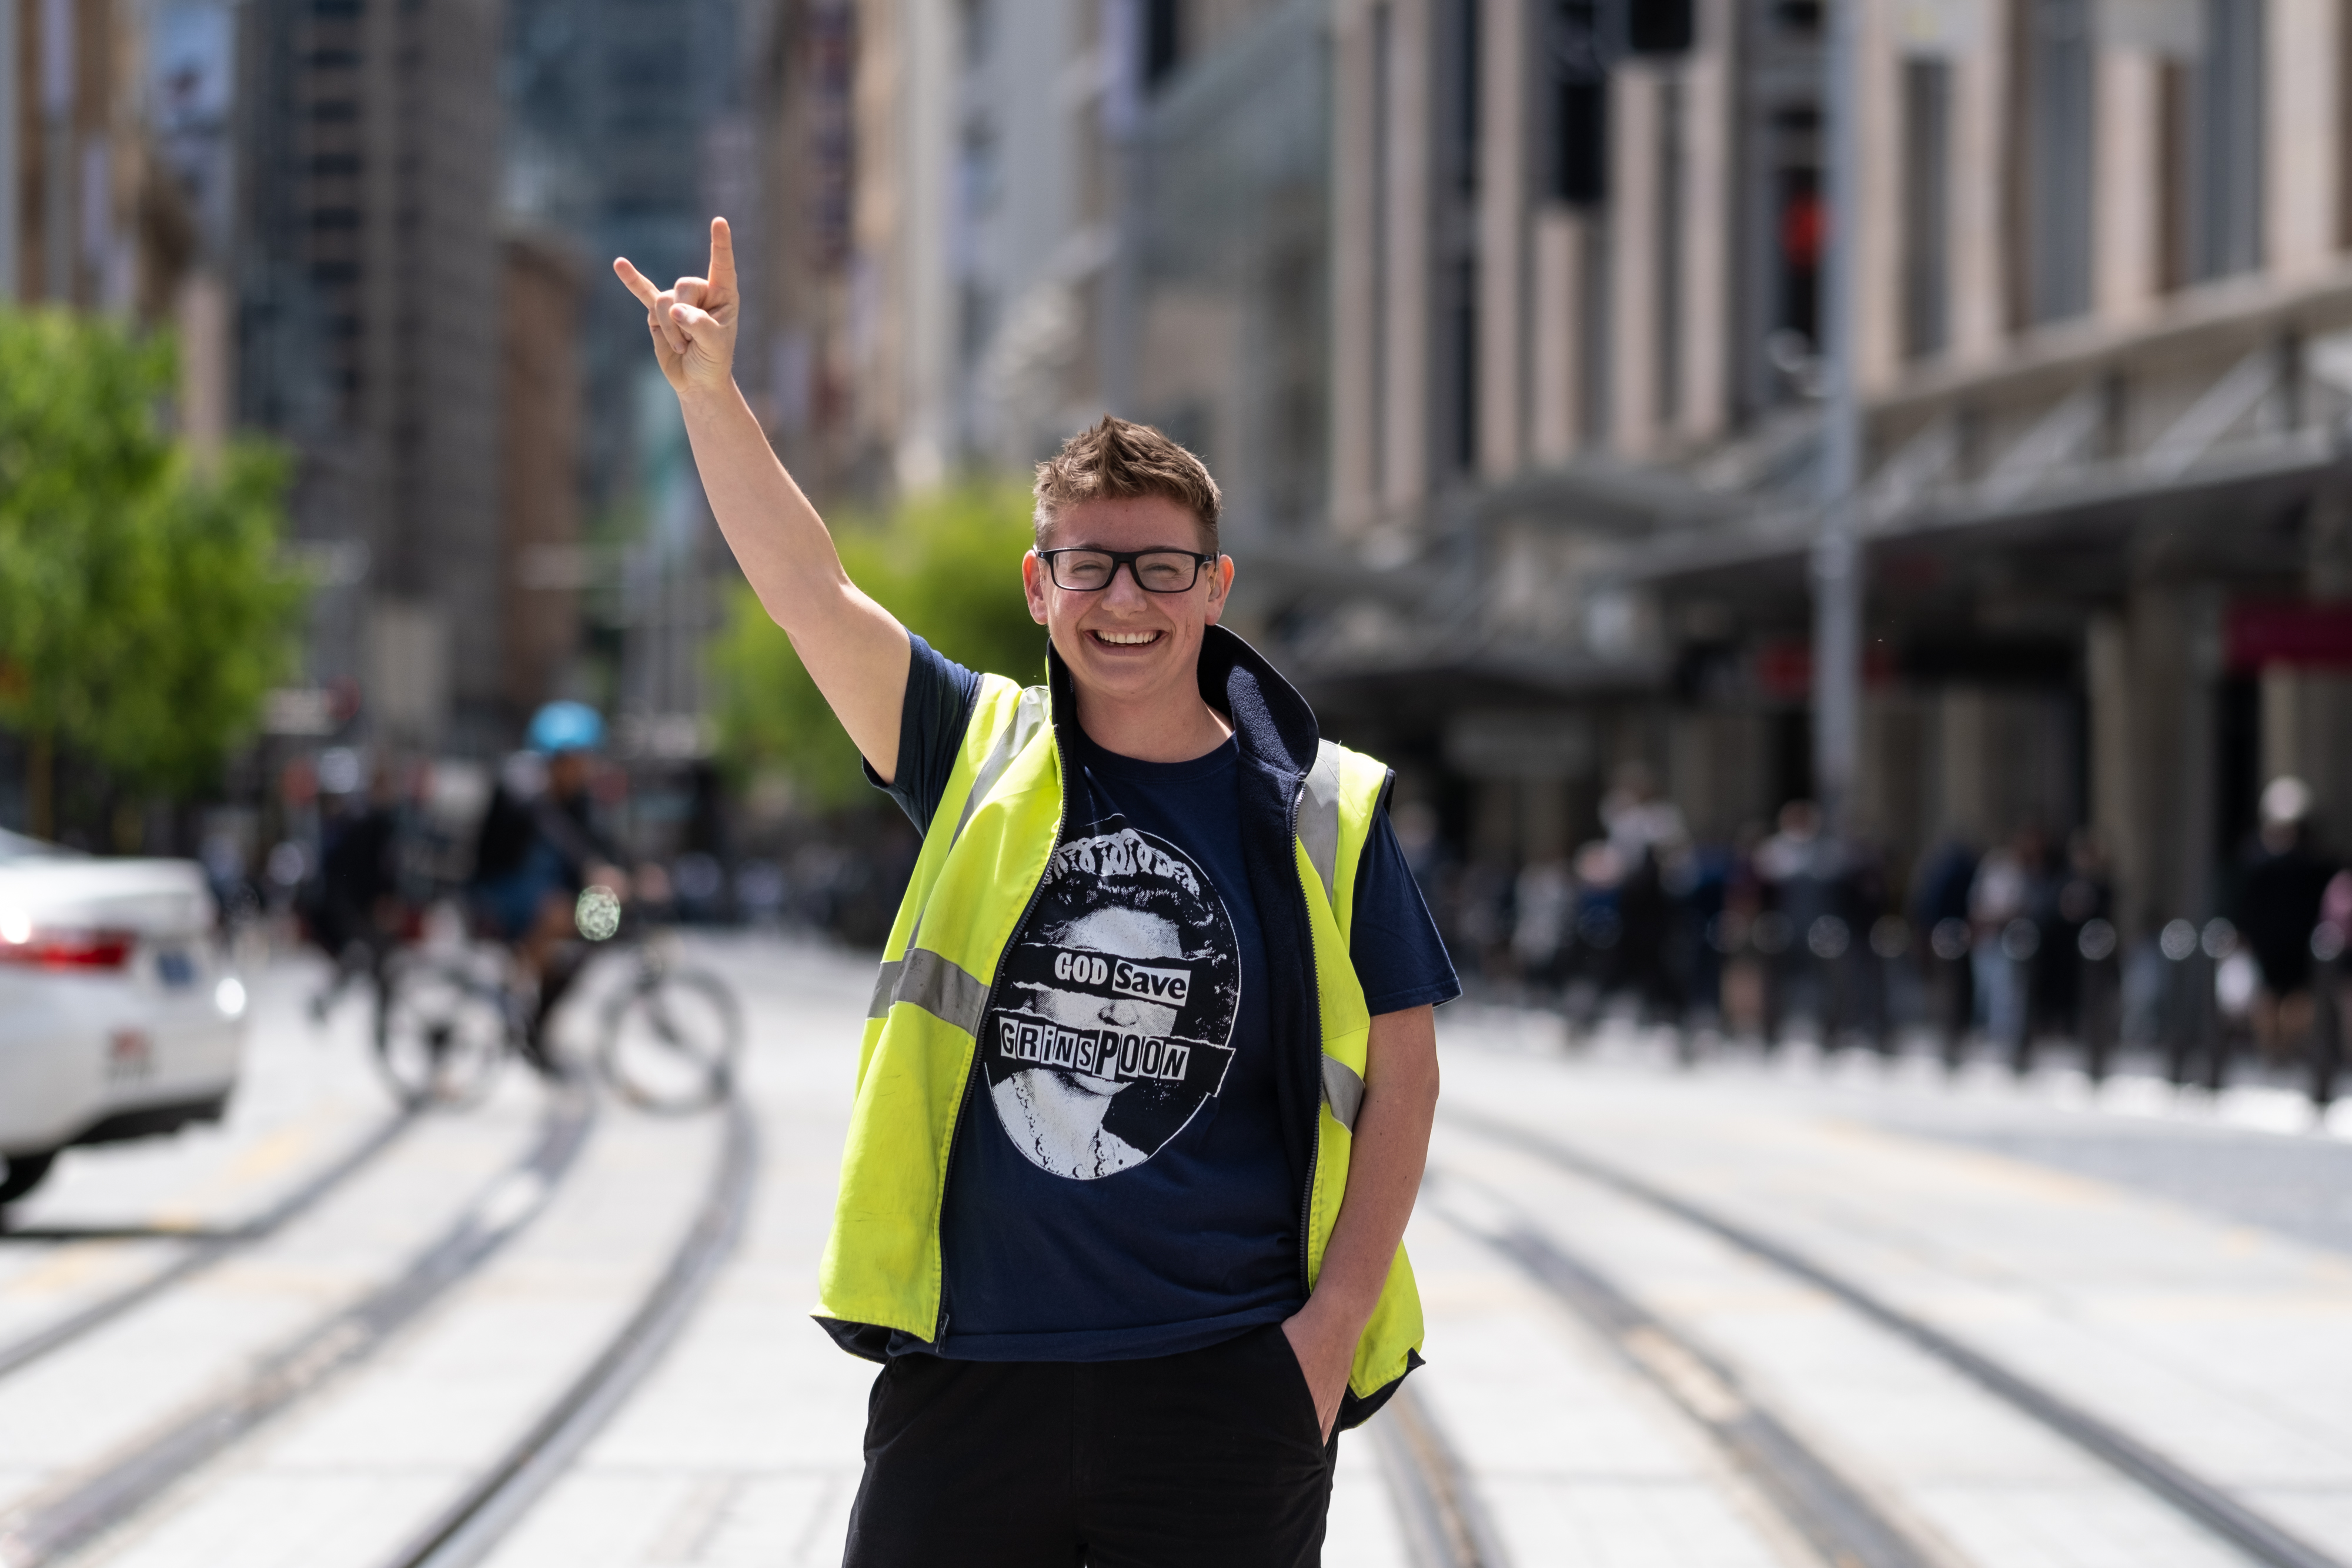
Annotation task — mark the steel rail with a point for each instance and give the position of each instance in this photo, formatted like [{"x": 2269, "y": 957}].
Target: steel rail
[
  {"x": 1445, "y": 1524},
  {"x": 466, "y": 1531},
  {"x": 1834, "y": 1514},
  {"x": 2198, "y": 1499},
  {"x": 62, "y": 1519},
  {"x": 206, "y": 1252}
]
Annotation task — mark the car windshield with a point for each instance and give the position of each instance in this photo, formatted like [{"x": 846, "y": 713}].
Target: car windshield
[{"x": 17, "y": 847}]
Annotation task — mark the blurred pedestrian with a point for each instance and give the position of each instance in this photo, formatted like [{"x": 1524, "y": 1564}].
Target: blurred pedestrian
[
  {"x": 1939, "y": 911},
  {"x": 2084, "y": 985},
  {"x": 1644, "y": 829},
  {"x": 2277, "y": 911},
  {"x": 1544, "y": 902},
  {"x": 355, "y": 914},
  {"x": 1799, "y": 867},
  {"x": 2003, "y": 933},
  {"x": 1157, "y": 1269}
]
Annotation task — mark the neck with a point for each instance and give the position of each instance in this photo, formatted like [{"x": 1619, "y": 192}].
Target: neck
[{"x": 1175, "y": 729}]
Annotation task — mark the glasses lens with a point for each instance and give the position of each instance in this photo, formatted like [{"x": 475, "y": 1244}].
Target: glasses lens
[
  {"x": 1166, "y": 571},
  {"x": 1085, "y": 570}
]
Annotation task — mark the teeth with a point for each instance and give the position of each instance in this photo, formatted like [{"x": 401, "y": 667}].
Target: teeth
[{"x": 1128, "y": 639}]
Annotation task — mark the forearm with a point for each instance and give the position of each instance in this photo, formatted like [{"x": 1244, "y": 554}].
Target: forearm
[
  {"x": 853, "y": 649},
  {"x": 1389, "y": 1148},
  {"x": 779, "y": 540}
]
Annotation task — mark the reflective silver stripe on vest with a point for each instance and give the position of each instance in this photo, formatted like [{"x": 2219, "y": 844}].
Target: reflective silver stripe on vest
[
  {"x": 1027, "y": 718},
  {"x": 885, "y": 986},
  {"x": 940, "y": 986},
  {"x": 938, "y": 993},
  {"x": 1319, "y": 817},
  {"x": 1343, "y": 1091}
]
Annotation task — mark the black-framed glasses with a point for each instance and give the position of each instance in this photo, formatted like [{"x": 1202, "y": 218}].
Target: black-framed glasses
[{"x": 1084, "y": 570}]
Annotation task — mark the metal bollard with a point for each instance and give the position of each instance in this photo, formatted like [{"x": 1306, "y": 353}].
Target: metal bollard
[
  {"x": 2180, "y": 1005},
  {"x": 1949, "y": 943},
  {"x": 2021, "y": 943}
]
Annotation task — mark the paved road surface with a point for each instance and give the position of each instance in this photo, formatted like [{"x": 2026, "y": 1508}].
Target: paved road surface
[{"x": 1600, "y": 1364}]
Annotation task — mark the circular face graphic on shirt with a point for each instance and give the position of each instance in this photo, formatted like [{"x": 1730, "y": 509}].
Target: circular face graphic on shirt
[{"x": 1117, "y": 1016}]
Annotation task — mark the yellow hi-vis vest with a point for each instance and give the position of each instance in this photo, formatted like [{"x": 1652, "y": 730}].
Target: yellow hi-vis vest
[{"x": 983, "y": 856}]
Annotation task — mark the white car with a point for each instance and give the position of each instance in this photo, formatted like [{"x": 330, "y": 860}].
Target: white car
[{"x": 118, "y": 1016}]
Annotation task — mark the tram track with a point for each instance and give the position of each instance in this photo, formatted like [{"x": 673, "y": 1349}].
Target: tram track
[
  {"x": 1829, "y": 1511},
  {"x": 1705, "y": 1387},
  {"x": 1443, "y": 1522},
  {"x": 205, "y": 1250},
  {"x": 70, "y": 1514},
  {"x": 472, "y": 1524}
]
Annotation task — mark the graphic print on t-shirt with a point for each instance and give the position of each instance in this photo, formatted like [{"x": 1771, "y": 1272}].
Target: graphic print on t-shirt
[{"x": 1119, "y": 998}]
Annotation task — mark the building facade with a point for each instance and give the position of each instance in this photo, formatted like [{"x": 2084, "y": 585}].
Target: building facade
[{"x": 2103, "y": 295}]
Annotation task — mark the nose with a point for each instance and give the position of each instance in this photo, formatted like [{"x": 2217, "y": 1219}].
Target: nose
[
  {"x": 1131, "y": 593},
  {"x": 1120, "y": 1015}
]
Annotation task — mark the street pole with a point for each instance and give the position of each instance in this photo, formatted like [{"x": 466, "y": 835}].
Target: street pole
[{"x": 1837, "y": 552}]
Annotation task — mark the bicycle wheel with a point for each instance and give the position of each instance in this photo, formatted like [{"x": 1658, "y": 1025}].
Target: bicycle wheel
[
  {"x": 670, "y": 1041},
  {"x": 440, "y": 1035}
]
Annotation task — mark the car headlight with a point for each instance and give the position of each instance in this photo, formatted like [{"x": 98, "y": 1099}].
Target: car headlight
[{"x": 230, "y": 997}]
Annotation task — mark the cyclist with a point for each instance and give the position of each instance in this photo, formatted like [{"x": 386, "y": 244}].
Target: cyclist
[{"x": 541, "y": 846}]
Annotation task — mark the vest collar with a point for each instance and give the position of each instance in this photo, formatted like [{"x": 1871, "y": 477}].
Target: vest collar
[{"x": 1273, "y": 723}]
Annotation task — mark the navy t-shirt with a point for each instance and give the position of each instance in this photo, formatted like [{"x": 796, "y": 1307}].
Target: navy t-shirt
[{"x": 1118, "y": 1187}]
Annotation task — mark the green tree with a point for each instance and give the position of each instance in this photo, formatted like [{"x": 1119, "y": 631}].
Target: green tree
[
  {"x": 948, "y": 564},
  {"x": 145, "y": 606}
]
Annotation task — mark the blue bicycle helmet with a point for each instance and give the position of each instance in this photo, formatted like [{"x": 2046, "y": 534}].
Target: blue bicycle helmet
[{"x": 566, "y": 726}]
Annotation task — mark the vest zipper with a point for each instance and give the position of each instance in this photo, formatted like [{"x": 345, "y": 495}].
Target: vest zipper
[
  {"x": 1314, "y": 1101},
  {"x": 979, "y": 1041}
]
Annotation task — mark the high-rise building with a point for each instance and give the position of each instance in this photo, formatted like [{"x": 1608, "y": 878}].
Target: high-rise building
[
  {"x": 625, "y": 135},
  {"x": 369, "y": 288}
]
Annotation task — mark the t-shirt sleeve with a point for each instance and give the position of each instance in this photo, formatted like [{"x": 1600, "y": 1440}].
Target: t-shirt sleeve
[
  {"x": 1400, "y": 962},
  {"x": 939, "y": 697}
]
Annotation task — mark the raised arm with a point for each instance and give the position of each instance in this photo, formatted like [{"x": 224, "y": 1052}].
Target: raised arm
[{"x": 856, "y": 651}]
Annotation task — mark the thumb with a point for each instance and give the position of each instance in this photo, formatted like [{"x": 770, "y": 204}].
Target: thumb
[{"x": 696, "y": 323}]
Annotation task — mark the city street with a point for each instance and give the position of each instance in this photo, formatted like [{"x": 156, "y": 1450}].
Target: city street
[{"x": 1789, "y": 1313}]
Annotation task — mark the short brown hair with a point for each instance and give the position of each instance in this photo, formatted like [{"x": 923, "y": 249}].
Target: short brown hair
[{"x": 1119, "y": 458}]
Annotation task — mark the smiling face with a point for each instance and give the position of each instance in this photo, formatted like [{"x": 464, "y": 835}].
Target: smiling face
[{"x": 1124, "y": 645}]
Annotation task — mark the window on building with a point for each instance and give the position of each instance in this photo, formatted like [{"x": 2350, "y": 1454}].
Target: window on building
[
  {"x": 1164, "y": 39},
  {"x": 1927, "y": 206},
  {"x": 1457, "y": 195},
  {"x": 2053, "y": 161},
  {"x": 2227, "y": 141},
  {"x": 2175, "y": 95},
  {"x": 1800, "y": 225},
  {"x": 1797, "y": 16},
  {"x": 1580, "y": 104},
  {"x": 1672, "y": 180}
]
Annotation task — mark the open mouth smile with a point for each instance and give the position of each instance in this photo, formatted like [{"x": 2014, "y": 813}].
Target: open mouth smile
[{"x": 1125, "y": 639}]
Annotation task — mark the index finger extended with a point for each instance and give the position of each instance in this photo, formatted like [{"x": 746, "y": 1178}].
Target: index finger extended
[
  {"x": 722, "y": 256},
  {"x": 636, "y": 282}
]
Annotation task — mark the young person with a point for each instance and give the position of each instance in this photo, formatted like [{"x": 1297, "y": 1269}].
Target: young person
[{"x": 1147, "y": 1086}]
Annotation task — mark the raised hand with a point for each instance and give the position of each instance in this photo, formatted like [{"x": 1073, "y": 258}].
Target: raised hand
[{"x": 693, "y": 321}]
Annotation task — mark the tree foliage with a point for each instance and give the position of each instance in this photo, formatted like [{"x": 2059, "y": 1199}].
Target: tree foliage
[
  {"x": 145, "y": 608},
  {"x": 948, "y": 564}
]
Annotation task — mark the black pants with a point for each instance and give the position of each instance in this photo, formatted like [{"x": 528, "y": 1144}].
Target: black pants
[{"x": 1208, "y": 1459}]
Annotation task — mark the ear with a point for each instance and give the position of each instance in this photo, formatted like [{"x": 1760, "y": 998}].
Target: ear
[
  {"x": 1221, "y": 584},
  {"x": 1033, "y": 585}
]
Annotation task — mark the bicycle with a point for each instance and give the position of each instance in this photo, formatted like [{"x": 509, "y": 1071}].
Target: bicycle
[{"x": 668, "y": 1037}]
